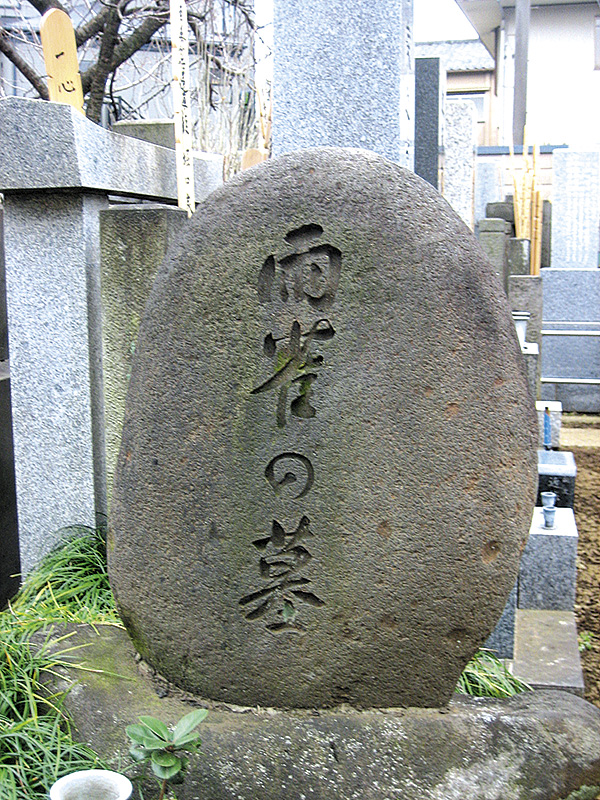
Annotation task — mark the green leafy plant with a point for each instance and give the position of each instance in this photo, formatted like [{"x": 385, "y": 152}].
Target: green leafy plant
[
  {"x": 486, "y": 676},
  {"x": 585, "y": 641},
  {"x": 164, "y": 748}
]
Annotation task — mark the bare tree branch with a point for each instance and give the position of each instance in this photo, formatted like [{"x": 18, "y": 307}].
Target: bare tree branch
[
  {"x": 127, "y": 47},
  {"x": 45, "y": 5},
  {"x": 28, "y": 72},
  {"x": 103, "y": 65},
  {"x": 92, "y": 27}
]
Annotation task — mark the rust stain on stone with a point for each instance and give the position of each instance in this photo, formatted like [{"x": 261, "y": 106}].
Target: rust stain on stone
[
  {"x": 384, "y": 529},
  {"x": 490, "y": 551},
  {"x": 452, "y": 409}
]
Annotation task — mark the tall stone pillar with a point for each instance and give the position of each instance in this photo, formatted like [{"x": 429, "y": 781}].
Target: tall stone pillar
[{"x": 343, "y": 76}]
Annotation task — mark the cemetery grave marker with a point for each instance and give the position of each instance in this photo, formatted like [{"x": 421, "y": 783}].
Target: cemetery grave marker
[{"x": 328, "y": 461}]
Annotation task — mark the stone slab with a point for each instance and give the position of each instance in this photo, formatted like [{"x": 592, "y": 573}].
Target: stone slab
[
  {"x": 557, "y": 472},
  {"x": 518, "y": 258},
  {"x": 546, "y": 652},
  {"x": 325, "y": 54},
  {"x": 501, "y": 210},
  {"x": 488, "y": 187},
  {"x": 576, "y": 209},
  {"x": 475, "y": 748},
  {"x": 156, "y": 131},
  {"x": 459, "y": 158},
  {"x": 493, "y": 237},
  {"x": 286, "y": 505},
  {"x": 548, "y": 570},
  {"x": 133, "y": 243},
  {"x": 546, "y": 259},
  {"x": 428, "y": 118},
  {"x": 502, "y": 639},
  {"x": 571, "y": 306},
  {"x": 571, "y": 296},
  {"x": 555, "y": 412},
  {"x": 60, "y": 148},
  {"x": 491, "y": 225}
]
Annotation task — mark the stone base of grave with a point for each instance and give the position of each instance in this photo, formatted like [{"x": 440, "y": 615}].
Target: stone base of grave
[{"x": 543, "y": 744}]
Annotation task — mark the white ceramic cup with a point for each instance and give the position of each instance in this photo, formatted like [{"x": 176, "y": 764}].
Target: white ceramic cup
[{"x": 92, "y": 784}]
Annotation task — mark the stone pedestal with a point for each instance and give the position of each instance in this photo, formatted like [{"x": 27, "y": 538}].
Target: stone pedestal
[
  {"x": 548, "y": 570},
  {"x": 56, "y": 175},
  {"x": 474, "y": 748}
]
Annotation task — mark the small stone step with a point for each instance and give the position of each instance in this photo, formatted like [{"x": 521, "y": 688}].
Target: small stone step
[{"x": 546, "y": 652}]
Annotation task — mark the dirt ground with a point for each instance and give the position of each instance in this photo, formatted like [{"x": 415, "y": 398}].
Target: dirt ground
[{"x": 578, "y": 433}]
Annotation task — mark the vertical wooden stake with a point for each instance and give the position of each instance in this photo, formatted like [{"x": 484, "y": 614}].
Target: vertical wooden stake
[
  {"x": 181, "y": 106},
  {"x": 60, "y": 58}
]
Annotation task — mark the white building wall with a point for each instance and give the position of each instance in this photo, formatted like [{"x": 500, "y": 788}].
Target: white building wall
[{"x": 563, "y": 88}]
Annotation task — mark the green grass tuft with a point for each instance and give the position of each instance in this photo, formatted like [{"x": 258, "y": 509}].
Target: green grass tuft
[
  {"x": 486, "y": 676},
  {"x": 36, "y": 745}
]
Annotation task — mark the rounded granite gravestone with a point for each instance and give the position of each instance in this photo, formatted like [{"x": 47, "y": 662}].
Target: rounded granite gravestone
[{"x": 328, "y": 463}]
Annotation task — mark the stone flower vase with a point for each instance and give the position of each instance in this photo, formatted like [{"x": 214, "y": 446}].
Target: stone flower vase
[{"x": 92, "y": 784}]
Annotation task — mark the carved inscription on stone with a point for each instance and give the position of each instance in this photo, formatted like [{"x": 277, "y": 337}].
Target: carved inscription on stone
[
  {"x": 295, "y": 367},
  {"x": 283, "y": 557},
  {"x": 310, "y": 272}
]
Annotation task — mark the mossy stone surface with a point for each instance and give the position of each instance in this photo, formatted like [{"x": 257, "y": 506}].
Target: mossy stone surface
[
  {"x": 536, "y": 746},
  {"x": 328, "y": 462}
]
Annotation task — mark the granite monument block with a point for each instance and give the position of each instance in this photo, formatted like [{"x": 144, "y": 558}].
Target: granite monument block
[
  {"x": 459, "y": 157},
  {"x": 576, "y": 209},
  {"x": 326, "y": 371},
  {"x": 428, "y": 117},
  {"x": 343, "y": 76},
  {"x": 548, "y": 570}
]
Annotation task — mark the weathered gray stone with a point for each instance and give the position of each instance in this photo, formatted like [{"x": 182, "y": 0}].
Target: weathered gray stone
[
  {"x": 517, "y": 257},
  {"x": 576, "y": 211},
  {"x": 312, "y": 393},
  {"x": 493, "y": 238},
  {"x": 325, "y": 55},
  {"x": 59, "y": 148},
  {"x": 546, "y": 652},
  {"x": 540, "y": 745},
  {"x": 133, "y": 243},
  {"x": 157, "y": 131},
  {"x": 548, "y": 571},
  {"x": 459, "y": 157},
  {"x": 488, "y": 186},
  {"x": 502, "y": 639},
  {"x": 503, "y": 209}
]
